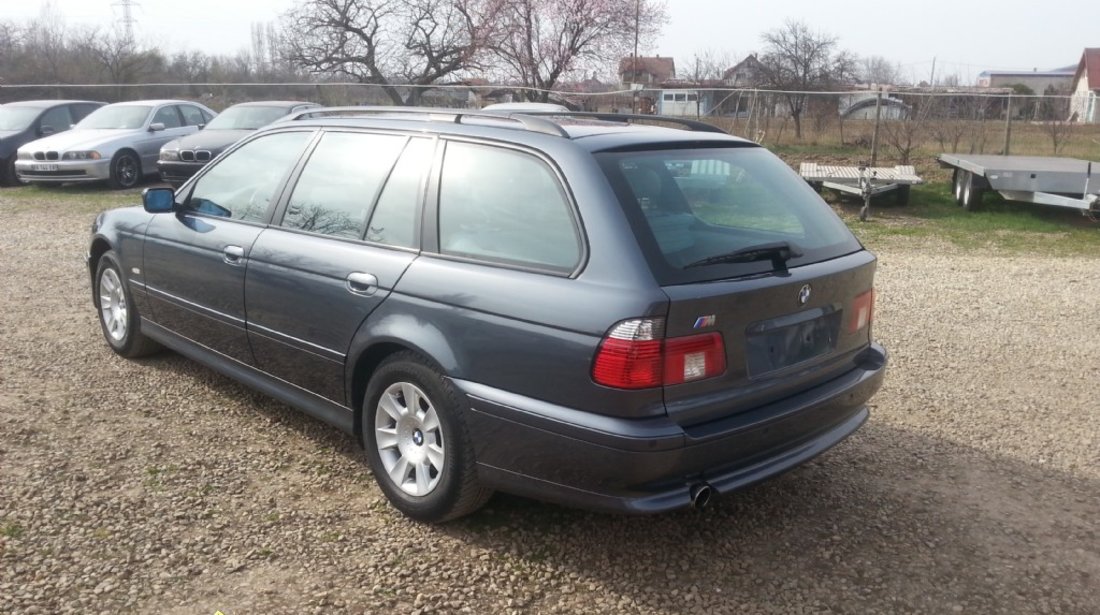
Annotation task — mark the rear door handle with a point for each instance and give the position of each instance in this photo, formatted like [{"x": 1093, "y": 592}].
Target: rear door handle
[
  {"x": 359, "y": 283},
  {"x": 233, "y": 255}
]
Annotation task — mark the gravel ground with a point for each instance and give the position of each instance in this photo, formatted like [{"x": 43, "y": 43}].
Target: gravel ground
[{"x": 161, "y": 487}]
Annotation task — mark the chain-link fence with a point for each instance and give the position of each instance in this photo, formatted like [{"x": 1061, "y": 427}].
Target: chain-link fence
[{"x": 908, "y": 122}]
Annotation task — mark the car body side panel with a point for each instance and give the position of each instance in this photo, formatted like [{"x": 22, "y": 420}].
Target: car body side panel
[{"x": 302, "y": 312}]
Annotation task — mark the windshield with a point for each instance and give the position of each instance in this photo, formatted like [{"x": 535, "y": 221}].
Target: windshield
[
  {"x": 17, "y": 118},
  {"x": 121, "y": 117},
  {"x": 707, "y": 213},
  {"x": 246, "y": 118}
]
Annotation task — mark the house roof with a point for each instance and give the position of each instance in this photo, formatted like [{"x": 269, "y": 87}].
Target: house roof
[
  {"x": 749, "y": 62},
  {"x": 1090, "y": 65},
  {"x": 662, "y": 69}
]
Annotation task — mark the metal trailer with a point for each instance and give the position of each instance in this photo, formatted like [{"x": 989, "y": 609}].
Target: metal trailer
[
  {"x": 863, "y": 181},
  {"x": 1060, "y": 182}
]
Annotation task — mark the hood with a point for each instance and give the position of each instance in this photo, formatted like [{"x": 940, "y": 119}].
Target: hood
[
  {"x": 78, "y": 139},
  {"x": 213, "y": 140}
]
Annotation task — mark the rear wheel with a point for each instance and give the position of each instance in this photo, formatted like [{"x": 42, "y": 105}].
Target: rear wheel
[
  {"x": 118, "y": 316},
  {"x": 971, "y": 193},
  {"x": 125, "y": 171},
  {"x": 958, "y": 179},
  {"x": 901, "y": 195},
  {"x": 414, "y": 430}
]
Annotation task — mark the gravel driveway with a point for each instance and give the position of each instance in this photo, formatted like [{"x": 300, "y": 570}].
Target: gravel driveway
[{"x": 161, "y": 487}]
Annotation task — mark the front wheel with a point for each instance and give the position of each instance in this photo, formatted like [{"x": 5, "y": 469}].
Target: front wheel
[
  {"x": 415, "y": 434},
  {"x": 125, "y": 171},
  {"x": 118, "y": 316}
]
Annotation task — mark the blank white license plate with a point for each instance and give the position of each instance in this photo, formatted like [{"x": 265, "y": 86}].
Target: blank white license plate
[{"x": 43, "y": 167}]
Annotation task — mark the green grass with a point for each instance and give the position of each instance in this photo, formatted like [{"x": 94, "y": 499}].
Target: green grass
[
  {"x": 998, "y": 225},
  {"x": 71, "y": 198},
  {"x": 11, "y": 530}
]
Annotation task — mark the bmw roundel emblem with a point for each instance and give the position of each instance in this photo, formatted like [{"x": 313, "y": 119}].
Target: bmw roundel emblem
[{"x": 804, "y": 294}]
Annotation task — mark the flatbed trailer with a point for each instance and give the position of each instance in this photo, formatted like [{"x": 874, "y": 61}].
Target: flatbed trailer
[
  {"x": 862, "y": 180},
  {"x": 1058, "y": 182}
]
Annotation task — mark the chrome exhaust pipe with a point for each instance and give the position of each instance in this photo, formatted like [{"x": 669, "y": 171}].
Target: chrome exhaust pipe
[{"x": 700, "y": 495}]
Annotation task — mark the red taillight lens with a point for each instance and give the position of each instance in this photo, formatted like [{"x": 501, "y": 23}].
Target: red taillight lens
[
  {"x": 626, "y": 364},
  {"x": 633, "y": 356},
  {"x": 863, "y": 311}
]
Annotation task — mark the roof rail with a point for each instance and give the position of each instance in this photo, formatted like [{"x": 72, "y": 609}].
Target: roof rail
[
  {"x": 628, "y": 118},
  {"x": 533, "y": 124}
]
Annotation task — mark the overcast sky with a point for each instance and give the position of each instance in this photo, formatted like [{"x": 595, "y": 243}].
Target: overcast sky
[{"x": 965, "y": 36}]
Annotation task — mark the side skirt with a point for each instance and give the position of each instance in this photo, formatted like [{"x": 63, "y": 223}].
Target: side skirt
[{"x": 313, "y": 405}]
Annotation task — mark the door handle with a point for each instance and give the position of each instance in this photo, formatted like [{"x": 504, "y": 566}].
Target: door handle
[
  {"x": 359, "y": 283},
  {"x": 233, "y": 255}
]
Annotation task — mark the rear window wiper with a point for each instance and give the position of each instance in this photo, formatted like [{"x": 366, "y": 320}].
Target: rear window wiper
[{"x": 778, "y": 253}]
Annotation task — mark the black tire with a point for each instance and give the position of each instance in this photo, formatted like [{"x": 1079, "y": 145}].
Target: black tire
[
  {"x": 130, "y": 342},
  {"x": 817, "y": 186},
  {"x": 125, "y": 171},
  {"x": 901, "y": 195},
  {"x": 457, "y": 492},
  {"x": 9, "y": 176},
  {"x": 957, "y": 181},
  {"x": 972, "y": 193}
]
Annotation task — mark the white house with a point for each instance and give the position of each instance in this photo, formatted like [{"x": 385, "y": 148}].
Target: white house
[{"x": 1085, "y": 106}]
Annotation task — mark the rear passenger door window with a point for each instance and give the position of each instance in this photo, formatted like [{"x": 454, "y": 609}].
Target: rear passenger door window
[
  {"x": 338, "y": 185},
  {"x": 394, "y": 221},
  {"x": 503, "y": 205},
  {"x": 242, "y": 185}
]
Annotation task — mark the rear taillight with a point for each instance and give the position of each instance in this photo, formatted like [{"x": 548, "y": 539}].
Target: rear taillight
[
  {"x": 636, "y": 355},
  {"x": 863, "y": 311}
]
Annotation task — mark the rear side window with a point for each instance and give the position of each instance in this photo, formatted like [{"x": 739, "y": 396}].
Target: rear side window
[
  {"x": 394, "y": 221},
  {"x": 335, "y": 192},
  {"x": 242, "y": 184},
  {"x": 505, "y": 206},
  {"x": 691, "y": 207}
]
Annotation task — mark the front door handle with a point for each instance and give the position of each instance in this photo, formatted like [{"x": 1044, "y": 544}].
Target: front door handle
[
  {"x": 233, "y": 255},
  {"x": 362, "y": 283}
]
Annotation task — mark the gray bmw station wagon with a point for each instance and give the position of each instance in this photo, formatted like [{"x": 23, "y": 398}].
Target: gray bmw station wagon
[{"x": 579, "y": 308}]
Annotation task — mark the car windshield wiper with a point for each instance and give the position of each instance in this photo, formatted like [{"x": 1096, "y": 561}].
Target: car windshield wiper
[{"x": 778, "y": 253}]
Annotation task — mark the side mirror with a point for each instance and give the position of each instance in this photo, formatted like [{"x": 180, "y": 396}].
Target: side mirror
[
  {"x": 158, "y": 200},
  {"x": 46, "y": 130},
  {"x": 156, "y": 127},
  {"x": 201, "y": 126}
]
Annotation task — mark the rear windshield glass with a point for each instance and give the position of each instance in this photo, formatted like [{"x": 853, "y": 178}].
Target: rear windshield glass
[{"x": 719, "y": 212}]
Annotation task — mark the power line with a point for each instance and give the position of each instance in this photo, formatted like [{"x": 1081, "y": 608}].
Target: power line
[{"x": 127, "y": 20}]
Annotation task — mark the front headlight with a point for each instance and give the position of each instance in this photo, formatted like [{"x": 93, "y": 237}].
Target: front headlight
[
  {"x": 170, "y": 155},
  {"x": 88, "y": 155}
]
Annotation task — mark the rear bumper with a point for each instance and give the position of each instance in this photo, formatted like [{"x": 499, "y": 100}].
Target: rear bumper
[{"x": 557, "y": 454}]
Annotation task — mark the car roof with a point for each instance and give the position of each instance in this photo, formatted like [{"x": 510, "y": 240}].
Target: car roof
[
  {"x": 592, "y": 131},
  {"x": 146, "y": 103},
  {"x": 273, "y": 103},
  {"x": 42, "y": 104}
]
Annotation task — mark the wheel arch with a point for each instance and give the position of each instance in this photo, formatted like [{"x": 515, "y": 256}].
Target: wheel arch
[{"x": 99, "y": 247}]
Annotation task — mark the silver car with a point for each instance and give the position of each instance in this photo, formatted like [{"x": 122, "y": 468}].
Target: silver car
[{"x": 117, "y": 143}]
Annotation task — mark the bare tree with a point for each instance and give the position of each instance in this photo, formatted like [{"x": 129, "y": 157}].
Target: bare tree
[
  {"x": 879, "y": 71},
  {"x": 798, "y": 60},
  {"x": 906, "y": 134},
  {"x": 390, "y": 42},
  {"x": 709, "y": 64},
  {"x": 1053, "y": 115},
  {"x": 544, "y": 40},
  {"x": 118, "y": 58}
]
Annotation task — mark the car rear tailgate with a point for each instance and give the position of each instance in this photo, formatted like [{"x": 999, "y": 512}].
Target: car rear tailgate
[{"x": 783, "y": 333}]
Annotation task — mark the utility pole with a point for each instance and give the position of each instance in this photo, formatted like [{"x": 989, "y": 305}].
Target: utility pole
[
  {"x": 933, "y": 77},
  {"x": 634, "y": 69}
]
